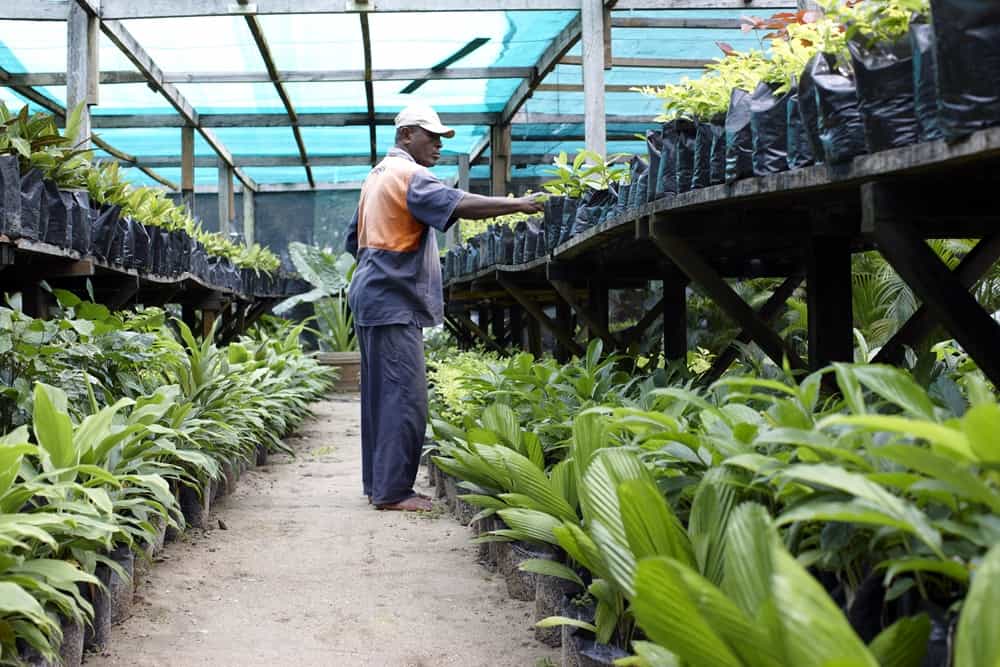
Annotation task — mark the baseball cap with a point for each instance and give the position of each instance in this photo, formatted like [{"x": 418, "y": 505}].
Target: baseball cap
[{"x": 425, "y": 117}]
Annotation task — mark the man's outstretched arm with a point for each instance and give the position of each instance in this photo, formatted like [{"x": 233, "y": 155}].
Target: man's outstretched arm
[{"x": 477, "y": 207}]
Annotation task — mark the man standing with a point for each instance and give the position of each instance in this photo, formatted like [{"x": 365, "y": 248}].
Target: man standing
[{"x": 396, "y": 292}]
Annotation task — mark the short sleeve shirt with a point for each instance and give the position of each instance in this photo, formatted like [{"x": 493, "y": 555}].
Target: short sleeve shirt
[{"x": 398, "y": 274}]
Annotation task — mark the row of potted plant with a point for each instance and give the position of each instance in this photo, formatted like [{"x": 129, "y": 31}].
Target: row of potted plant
[
  {"x": 51, "y": 191},
  {"x": 760, "y": 521},
  {"x": 119, "y": 430}
]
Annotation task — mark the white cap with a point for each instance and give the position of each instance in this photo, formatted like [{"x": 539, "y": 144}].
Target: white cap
[{"x": 425, "y": 117}]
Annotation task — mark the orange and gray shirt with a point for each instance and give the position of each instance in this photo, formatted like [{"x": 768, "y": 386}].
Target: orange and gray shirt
[{"x": 398, "y": 275}]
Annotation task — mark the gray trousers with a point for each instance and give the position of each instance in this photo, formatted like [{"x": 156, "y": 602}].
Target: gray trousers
[{"x": 393, "y": 409}]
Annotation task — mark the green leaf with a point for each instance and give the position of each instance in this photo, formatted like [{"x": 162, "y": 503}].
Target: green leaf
[
  {"x": 53, "y": 428},
  {"x": 557, "y": 621},
  {"x": 981, "y": 424},
  {"x": 650, "y": 525},
  {"x": 949, "y": 568},
  {"x": 531, "y": 525},
  {"x": 977, "y": 641},
  {"x": 550, "y": 568},
  {"x": 902, "y": 644},
  {"x": 959, "y": 479},
  {"x": 937, "y": 434},
  {"x": 896, "y": 386}
]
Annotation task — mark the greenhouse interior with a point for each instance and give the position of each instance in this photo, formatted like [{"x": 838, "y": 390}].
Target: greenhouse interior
[{"x": 413, "y": 333}]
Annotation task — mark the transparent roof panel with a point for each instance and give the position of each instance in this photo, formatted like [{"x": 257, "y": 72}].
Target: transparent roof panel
[
  {"x": 507, "y": 39},
  {"x": 354, "y": 140},
  {"x": 40, "y": 46},
  {"x": 447, "y": 94},
  {"x": 216, "y": 98},
  {"x": 206, "y": 43},
  {"x": 328, "y": 97},
  {"x": 314, "y": 41},
  {"x": 127, "y": 98}
]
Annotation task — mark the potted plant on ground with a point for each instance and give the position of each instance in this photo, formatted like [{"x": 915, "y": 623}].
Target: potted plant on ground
[{"x": 330, "y": 275}]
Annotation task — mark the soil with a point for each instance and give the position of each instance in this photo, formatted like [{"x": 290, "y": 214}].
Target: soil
[{"x": 307, "y": 573}]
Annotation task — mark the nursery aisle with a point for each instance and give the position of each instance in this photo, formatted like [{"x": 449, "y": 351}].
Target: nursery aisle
[{"x": 306, "y": 573}]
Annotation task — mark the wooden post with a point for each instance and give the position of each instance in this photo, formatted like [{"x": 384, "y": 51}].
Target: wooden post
[
  {"x": 499, "y": 159},
  {"x": 516, "y": 338},
  {"x": 535, "y": 337},
  {"x": 208, "y": 318},
  {"x": 828, "y": 282},
  {"x": 499, "y": 324},
  {"x": 484, "y": 318},
  {"x": 454, "y": 236},
  {"x": 564, "y": 318},
  {"x": 675, "y": 317},
  {"x": 249, "y": 216},
  {"x": 187, "y": 167},
  {"x": 598, "y": 300},
  {"x": 592, "y": 38},
  {"x": 225, "y": 197},
  {"x": 81, "y": 68}
]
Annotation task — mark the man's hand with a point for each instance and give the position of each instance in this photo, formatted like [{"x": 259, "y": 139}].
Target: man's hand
[{"x": 530, "y": 204}]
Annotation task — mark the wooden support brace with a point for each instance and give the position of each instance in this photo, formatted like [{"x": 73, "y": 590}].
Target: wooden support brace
[
  {"x": 564, "y": 337},
  {"x": 638, "y": 330},
  {"x": 768, "y": 312},
  {"x": 590, "y": 319},
  {"x": 828, "y": 281},
  {"x": 944, "y": 294},
  {"x": 475, "y": 329},
  {"x": 675, "y": 345},
  {"x": 699, "y": 271},
  {"x": 126, "y": 291},
  {"x": 922, "y": 322}
]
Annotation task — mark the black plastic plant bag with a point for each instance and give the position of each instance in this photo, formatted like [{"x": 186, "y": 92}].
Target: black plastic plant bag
[
  {"x": 591, "y": 209},
  {"x": 739, "y": 137},
  {"x": 180, "y": 252},
  {"x": 717, "y": 154},
  {"x": 967, "y": 36},
  {"x": 80, "y": 221},
  {"x": 553, "y": 218},
  {"x": 56, "y": 215},
  {"x": 809, "y": 105},
  {"x": 542, "y": 247},
  {"x": 925, "y": 97},
  {"x": 569, "y": 216},
  {"x": 666, "y": 185},
  {"x": 638, "y": 194},
  {"x": 32, "y": 191},
  {"x": 800, "y": 153},
  {"x": 701, "y": 170},
  {"x": 102, "y": 230},
  {"x": 140, "y": 249},
  {"x": 10, "y": 197},
  {"x": 687, "y": 133},
  {"x": 654, "y": 146},
  {"x": 472, "y": 256},
  {"x": 769, "y": 128},
  {"x": 621, "y": 204},
  {"x": 841, "y": 130},
  {"x": 884, "y": 76},
  {"x": 506, "y": 245},
  {"x": 522, "y": 228},
  {"x": 531, "y": 240}
]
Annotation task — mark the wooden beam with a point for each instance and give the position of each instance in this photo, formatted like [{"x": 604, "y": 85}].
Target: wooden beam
[
  {"x": 139, "y": 9},
  {"x": 649, "y": 63},
  {"x": 278, "y": 120},
  {"x": 265, "y": 53},
  {"x": 499, "y": 159},
  {"x": 287, "y": 76},
  {"x": 675, "y": 345},
  {"x": 945, "y": 295},
  {"x": 562, "y": 335},
  {"x": 592, "y": 38},
  {"x": 249, "y": 217},
  {"x": 369, "y": 88},
  {"x": 127, "y": 44},
  {"x": 187, "y": 167},
  {"x": 592, "y": 320},
  {"x": 684, "y": 256},
  {"x": 563, "y": 42},
  {"x": 768, "y": 312},
  {"x": 225, "y": 197},
  {"x": 454, "y": 236},
  {"x": 697, "y": 23},
  {"x": 81, "y": 51},
  {"x": 637, "y": 330},
  {"x": 920, "y": 325},
  {"x": 54, "y": 10},
  {"x": 477, "y": 330},
  {"x": 318, "y": 160}
]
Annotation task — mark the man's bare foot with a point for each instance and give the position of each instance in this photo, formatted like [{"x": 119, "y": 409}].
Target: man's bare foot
[{"x": 411, "y": 504}]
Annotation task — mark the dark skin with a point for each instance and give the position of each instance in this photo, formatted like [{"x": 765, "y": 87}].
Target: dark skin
[{"x": 425, "y": 149}]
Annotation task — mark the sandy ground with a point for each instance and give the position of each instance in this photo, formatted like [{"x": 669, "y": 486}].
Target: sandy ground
[{"x": 306, "y": 573}]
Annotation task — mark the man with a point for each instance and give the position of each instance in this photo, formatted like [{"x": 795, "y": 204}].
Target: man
[{"x": 396, "y": 292}]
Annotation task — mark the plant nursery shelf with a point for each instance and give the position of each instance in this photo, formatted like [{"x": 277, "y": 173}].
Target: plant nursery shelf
[{"x": 803, "y": 222}]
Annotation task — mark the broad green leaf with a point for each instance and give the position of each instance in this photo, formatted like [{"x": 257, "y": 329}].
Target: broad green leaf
[
  {"x": 957, "y": 476},
  {"x": 550, "y": 568},
  {"x": 664, "y": 609},
  {"x": 53, "y": 428},
  {"x": 653, "y": 655},
  {"x": 897, "y": 387},
  {"x": 977, "y": 641},
  {"x": 650, "y": 525},
  {"x": 902, "y": 644},
  {"x": 708, "y": 522},
  {"x": 937, "y": 434},
  {"x": 532, "y": 525},
  {"x": 556, "y": 621},
  {"x": 981, "y": 424}
]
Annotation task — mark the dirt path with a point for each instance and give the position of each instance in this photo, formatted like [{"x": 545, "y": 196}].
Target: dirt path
[{"x": 308, "y": 574}]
